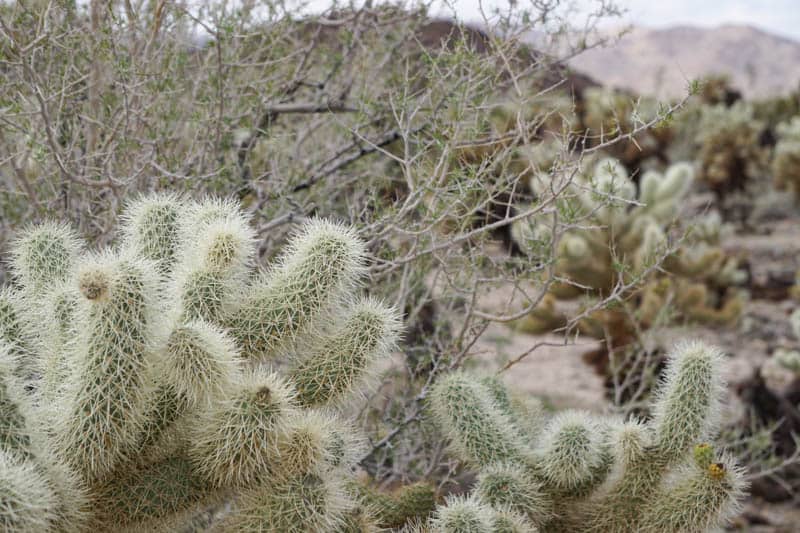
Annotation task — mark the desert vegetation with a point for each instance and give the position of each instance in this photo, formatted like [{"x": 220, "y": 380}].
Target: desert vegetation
[{"x": 370, "y": 268}]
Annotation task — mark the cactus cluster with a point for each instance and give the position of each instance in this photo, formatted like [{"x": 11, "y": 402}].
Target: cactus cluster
[
  {"x": 518, "y": 138},
  {"x": 788, "y": 357},
  {"x": 620, "y": 230},
  {"x": 611, "y": 220},
  {"x": 717, "y": 89},
  {"x": 584, "y": 473},
  {"x": 702, "y": 279},
  {"x": 607, "y": 113},
  {"x": 786, "y": 158},
  {"x": 730, "y": 154},
  {"x": 145, "y": 383}
]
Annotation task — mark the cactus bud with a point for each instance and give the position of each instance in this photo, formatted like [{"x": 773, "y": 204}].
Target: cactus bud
[{"x": 235, "y": 441}]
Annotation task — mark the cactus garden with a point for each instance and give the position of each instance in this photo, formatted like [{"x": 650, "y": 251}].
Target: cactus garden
[{"x": 397, "y": 267}]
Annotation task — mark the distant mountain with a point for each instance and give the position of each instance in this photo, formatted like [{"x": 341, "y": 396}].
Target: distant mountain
[{"x": 660, "y": 62}]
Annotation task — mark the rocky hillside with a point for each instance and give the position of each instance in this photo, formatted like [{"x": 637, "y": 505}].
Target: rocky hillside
[{"x": 660, "y": 62}]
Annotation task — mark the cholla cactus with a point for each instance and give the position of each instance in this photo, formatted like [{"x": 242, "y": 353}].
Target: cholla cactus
[
  {"x": 587, "y": 473},
  {"x": 786, "y": 159},
  {"x": 789, "y": 357},
  {"x": 730, "y": 155},
  {"x": 618, "y": 234},
  {"x": 405, "y": 505},
  {"x": 137, "y": 386},
  {"x": 609, "y": 113},
  {"x": 717, "y": 89},
  {"x": 614, "y": 223}
]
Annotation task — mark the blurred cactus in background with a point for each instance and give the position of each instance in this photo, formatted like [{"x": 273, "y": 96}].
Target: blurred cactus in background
[
  {"x": 608, "y": 114},
  {"x": 730, "y": 153},
  {"x": 619, "y": 233},
  {"x": 143, "y": 383},
  {"x": 786, "y": 159}
]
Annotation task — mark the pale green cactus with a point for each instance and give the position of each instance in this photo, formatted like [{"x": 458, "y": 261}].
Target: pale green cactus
[
  {"x": 25, "y": 453},
  {"x": 44, "y": 255},
  {"x": 107, "y": 396},
  {"x": 573, "y": 454},
  {"x": 14, "y": 433},
  {"x": 151, "y": 229},
  {"x": 789, "y": 357},
  {"x": 786, "y": 157},
  {"x": 281, "y": 305},
  {"x": 149, "y": 399},
  {"x": 12, "y": 331},
  {"x": 594, "y": 474},
  {"x": 212, "y": 272},
  {"x": 507, "y": 520},
  {"x": 616, "y": 223},
  {"x": 612, "y": 114},
  {"x": 506, "y": 485},
  {"x": 59, "y": 320},
  {"x": 607, "y": 112},
  {"x": 328, "y": 372},
  {"x": 309, "y": 502},
  {"x": 730, "y": 155},
  {"x": 686, "y": 407},
  {"x": 234, "y": 441},
  {"x": 480, "y": 432},
  {"x": 621, "y": 233},
  {"x": 409, "y": 503},
  {"x": 661, "y": 194},
  {"x": 28, "y": 502},
  {"x": 696, "y": 497},
  {"x": 463, "y": 515}
]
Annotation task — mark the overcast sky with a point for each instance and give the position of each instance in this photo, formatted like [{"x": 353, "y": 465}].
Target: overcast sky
[
  {"x": 781, "y": 17},
  {"x": 777, "y": 16}
]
